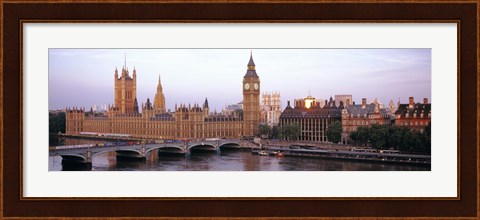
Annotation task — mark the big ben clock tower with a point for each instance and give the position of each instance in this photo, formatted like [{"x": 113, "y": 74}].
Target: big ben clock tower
[{"x": 251, "y": 100}]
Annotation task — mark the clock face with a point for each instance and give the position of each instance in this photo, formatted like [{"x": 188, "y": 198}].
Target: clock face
[
  {"x": 255, "y": 86},
  {"x": 247, "y": 86}
]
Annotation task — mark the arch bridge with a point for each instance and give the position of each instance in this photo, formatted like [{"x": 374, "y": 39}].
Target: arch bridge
[{"x": 140, "y": 151}]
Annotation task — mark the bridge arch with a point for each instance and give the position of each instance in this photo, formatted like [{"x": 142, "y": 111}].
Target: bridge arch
[
  {"x": 202, "y": 147},
  {"x": 167, "y": 148},
  {"x": 74, "y": 158},
  {"x": 130, "y": 153},
  {"x": 229, "y": 144}
]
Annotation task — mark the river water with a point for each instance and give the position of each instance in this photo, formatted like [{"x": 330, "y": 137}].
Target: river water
[{"x": 227, "y": 160}]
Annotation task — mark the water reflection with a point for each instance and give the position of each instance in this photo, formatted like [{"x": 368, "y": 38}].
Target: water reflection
[{"x": 230, "y": 161}]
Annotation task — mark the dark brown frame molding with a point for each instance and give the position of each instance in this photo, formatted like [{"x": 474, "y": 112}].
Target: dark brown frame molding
[{"x": 14, "y": 13}]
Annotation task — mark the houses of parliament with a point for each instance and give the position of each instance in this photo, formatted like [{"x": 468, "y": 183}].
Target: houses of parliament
[{"x": 154, "y": 122}]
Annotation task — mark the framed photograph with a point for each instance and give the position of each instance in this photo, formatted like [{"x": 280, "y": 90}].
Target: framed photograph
[{"x": 240, "y": 109}]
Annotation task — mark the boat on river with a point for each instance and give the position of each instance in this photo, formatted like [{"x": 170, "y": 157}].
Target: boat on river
[{"x": 263, "y": 153}]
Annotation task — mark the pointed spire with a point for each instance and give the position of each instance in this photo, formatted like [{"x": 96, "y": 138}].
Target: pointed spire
[
  {"x": 250, "y": 62},
  {"x": 159, "y": 86},
  {"x": 251, "y": 68},
  {"x": 135, "y": 106},
  {"x": 205, "y": 105},
  {"x": 125, "y": 60}
]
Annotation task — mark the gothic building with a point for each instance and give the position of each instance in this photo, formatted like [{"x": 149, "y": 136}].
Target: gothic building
[
  {"x": 154, "y": 122},
  {"x": 271, "y": 108},
  {"x": 125, "y": 90},
  {"x": 251, "y": 100}
]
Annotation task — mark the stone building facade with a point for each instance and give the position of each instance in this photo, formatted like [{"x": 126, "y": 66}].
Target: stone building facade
[
  {"x": 125, "y": 90},
  {"x": 271, "y": 108},
  {"x": 251, "y": 100},
  {"x": 346, "y": 99},
  {"x": 314, "y": 120},
  {"x": 153, "y": 122}
]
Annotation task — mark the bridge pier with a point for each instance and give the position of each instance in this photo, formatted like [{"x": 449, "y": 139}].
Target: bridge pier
[
  {"x": 88, "y": 156},
  {"x": 77, "y": 162},
  {"x": 142, "y": 150}
]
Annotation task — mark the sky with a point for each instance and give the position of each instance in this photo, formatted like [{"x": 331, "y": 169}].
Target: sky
[{"x": 85, "y": 77}]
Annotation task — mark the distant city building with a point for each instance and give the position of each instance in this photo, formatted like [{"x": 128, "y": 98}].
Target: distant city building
[
  {"x": 392, "y": 107},
  {"x": 413, "y": 115},
  {"x": 230, "y": 109},
  {"x": 54, "y": 112},
  {"x": 153, "y": 122},
  {"x": 312, "y": 119},
  {"x": 354, "y": 116},
  {"x": 375, "y": 101},
  {"x": 271, "y": 108},
  {"x": 346, "y": 99}
]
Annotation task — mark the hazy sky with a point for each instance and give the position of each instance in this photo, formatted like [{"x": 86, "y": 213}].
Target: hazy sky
[{"x": 84, "y": 77}]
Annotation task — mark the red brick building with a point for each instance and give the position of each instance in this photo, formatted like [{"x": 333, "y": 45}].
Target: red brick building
[
  {"x": 364, "y": 115},
  {"x": 413, "y": 115}
]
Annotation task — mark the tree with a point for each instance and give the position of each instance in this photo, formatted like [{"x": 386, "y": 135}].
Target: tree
[
  {"x": 275, "y": 132},
  {"x": 378, "y": 136},
  {"x": 427, "y": 140},
  {"x": 334, "y": 132},
  {"x": 363, "y": 135},
  {"x": 56, "y": 122},
  {"x": 394, "y": 137},
  {"x": 290, "y": 132},
  {"x": 294, "y": 132},
  {"x": 264, "y": 130},
  {"x": 399, "y": 138}
]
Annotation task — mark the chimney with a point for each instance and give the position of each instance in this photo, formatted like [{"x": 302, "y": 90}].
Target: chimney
[
  {"x": 364, "y": 103},
  {"x": 411, "y": 102},
  {"x": 425, "y": 101}
]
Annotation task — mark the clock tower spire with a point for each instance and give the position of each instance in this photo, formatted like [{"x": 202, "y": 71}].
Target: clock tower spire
[{"x": 251, "y": 100}]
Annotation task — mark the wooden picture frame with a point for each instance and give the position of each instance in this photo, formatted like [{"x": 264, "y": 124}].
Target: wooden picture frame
[{"x": 15, "y": 206}]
